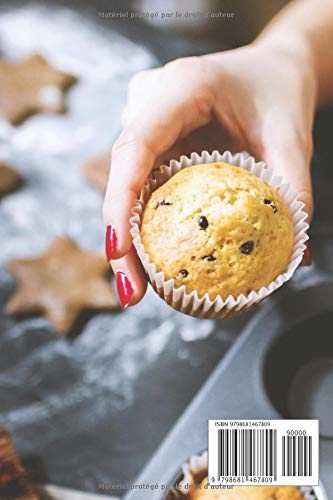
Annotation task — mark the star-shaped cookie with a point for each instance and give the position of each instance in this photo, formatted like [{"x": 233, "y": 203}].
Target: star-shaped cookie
[
  {"x": 96, "y": 170},
  {"x": 61, "y": 284},
  {"x": 30, "y": 86},
  {"x": 14, "y": 481},
  {"x": 10, "y": 179}
]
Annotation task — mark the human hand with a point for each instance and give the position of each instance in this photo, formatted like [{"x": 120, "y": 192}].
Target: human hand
[{"x": 258, "y": 98}]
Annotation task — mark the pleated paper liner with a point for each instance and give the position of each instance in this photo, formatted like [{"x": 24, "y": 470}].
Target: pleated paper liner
[
  {"x": 191, "y": 302},
  {"x": 195, "y": 470}
]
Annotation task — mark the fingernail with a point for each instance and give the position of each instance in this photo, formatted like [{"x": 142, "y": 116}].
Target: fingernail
[
  {"x": 125, "y": 289},
  {"x": 307, "y": 257},
  {"x": 110, "y": 242}
]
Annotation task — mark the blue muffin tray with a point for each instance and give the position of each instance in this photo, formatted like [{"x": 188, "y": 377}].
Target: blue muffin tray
[{"x": 281, "y": 367}]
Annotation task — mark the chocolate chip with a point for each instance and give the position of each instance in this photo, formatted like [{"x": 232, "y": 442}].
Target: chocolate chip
[
  {"x": 184, "y": 273},
  {"x": 203, "y": 222},
  {"x": 209, "y": 258},
  {"x": 269, "y": 202},
  {"x": 247, "y": 247},
  {"x": 162, "y": 203}
]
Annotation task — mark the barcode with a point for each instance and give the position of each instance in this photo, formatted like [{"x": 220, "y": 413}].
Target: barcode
[
  {"x": 297, "y": 456},
  {"x": 247, "y": 452}
]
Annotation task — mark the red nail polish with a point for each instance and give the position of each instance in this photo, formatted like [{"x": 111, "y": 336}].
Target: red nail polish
[
  {"x": 110, "y": 242},
  {"x": 307, "y": 257},
  {"x": 125, "y": 289}
]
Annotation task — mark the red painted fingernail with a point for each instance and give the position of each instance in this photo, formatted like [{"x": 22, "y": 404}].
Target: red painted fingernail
[
  {"x": 307, "y": 257},
  {"x": 125, "y": 289},
  {"x": 110, "y": 242}
]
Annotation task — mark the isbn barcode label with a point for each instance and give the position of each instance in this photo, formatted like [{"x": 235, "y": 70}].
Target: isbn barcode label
[
  {"x": 246, "y": 452},
  {"x": 278, "y": 452}
]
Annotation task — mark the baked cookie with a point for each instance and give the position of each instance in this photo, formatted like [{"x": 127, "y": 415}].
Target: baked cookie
[
  {"x": 247, "y": 493},
  {"x": 96, "y": 170},
  {"x": 60, "y": 284},
  {"x": 10, "y": 179},
  {"x": 30, "y": 86},
  {"x": 218, "y": 229},
  {"x": 14, "y": 481}
]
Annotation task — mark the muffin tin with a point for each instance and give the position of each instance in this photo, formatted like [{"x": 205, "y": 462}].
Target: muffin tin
[{"x": 281, "y": 367}]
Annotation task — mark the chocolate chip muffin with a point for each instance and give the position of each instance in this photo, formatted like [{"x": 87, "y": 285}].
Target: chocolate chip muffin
[
  {"x": 218, "y": 229},
  {"x": 247, "y": 493}
]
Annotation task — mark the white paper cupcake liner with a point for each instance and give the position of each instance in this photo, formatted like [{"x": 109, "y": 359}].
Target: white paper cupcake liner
[
  {"x": 191, "y": 302},
  {"x": 196, "y": 469}
]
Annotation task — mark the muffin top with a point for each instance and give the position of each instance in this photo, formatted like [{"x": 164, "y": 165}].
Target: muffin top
[
  {"x": 218, "y": 229},
  {"x": 247, "y": 493}
]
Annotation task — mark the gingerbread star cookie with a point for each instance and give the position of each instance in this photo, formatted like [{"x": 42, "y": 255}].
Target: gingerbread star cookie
[
  {"x": 30, "y": 86},
  {"x": 96, "y": 170},
  {"x": 10, "y": 179},
  {"x": 61, "y": 284},
  {"x": 14, "y": 481}
]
